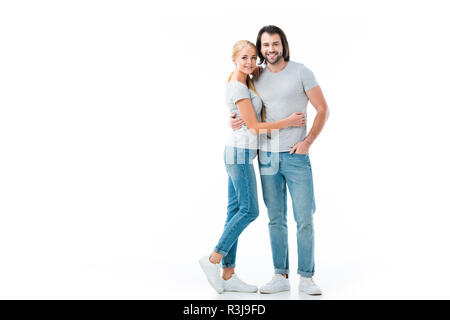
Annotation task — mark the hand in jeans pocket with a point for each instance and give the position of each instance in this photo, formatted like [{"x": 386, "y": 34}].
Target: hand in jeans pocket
[{"x": 301, "y": 148}]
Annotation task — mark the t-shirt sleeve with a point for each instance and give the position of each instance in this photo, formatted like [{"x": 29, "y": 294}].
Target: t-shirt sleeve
[
  {"x": 308, "y": 79},
  {"x": 238, "y": 92}
]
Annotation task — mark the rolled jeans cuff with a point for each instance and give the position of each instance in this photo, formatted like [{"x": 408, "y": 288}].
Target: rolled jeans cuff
[
  {"x": 281, "y": 271},
  {"x": 231, "y": 265},
  {"x": 305, "y": 274},
  {"x": 223, "y": 253}
]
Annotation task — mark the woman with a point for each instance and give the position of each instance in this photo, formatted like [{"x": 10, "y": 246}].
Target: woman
[{"x": 241, "y": 149}]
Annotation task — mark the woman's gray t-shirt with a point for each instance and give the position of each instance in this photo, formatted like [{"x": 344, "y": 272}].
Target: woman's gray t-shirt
[{"x": 242, "y": 138}]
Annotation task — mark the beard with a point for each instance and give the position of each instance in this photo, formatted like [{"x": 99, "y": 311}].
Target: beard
[{"x": 277, "y": 58}]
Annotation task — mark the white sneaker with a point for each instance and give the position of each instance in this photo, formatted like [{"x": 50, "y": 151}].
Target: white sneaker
[
  {"x": 308, "y": 286},
  {"x": 234, "y": 284},
  {"x": 277, "y": 284},
  {"x": 212, "y": 271}
]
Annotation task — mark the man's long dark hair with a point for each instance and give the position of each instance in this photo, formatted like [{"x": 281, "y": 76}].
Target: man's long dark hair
[{"x": 272, "y": 30}]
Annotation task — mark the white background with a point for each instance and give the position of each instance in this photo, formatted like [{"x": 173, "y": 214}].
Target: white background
[{"x": 112, "y": 126}]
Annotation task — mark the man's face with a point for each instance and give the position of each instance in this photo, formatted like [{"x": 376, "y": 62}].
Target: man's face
[{"x": 271, "y": 47}]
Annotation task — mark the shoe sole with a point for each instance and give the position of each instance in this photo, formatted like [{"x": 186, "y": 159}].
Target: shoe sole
[
  {"x": 312, "y": 293},
  {"x": 240, "y": 291},
  {"x": 272, "y": 292},
  {"x": 219, "y": 290}
]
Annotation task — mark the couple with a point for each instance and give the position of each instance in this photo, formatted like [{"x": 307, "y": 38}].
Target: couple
[{"x": 271, "y": 124}]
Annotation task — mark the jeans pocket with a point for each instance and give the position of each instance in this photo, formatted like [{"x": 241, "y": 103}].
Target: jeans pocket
[
  {"x": 302, "y": 159},
  {"x": 302, "y": 155}
]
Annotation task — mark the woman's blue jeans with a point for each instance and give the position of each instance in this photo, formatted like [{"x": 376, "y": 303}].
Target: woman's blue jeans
[{"x": 242, "y": 201}]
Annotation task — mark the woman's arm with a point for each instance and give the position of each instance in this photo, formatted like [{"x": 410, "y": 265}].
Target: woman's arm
[{"x": 251, "y": 121}]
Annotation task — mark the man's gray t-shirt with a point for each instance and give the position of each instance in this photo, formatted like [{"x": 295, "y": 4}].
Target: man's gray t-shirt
[
  {"x": 282, "y": 94},
  {"x": 242, "y": 138}
]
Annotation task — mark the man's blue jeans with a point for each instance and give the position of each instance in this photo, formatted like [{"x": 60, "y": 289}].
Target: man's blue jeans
[
  {"x": 242, "y": 201},
  {"x": 293, "y": 170}
]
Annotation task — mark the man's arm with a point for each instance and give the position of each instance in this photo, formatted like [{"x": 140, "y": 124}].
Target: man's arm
[{"x": 317, "y": 99}]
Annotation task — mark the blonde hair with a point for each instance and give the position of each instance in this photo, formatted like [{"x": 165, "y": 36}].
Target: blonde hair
[{"x": 237, "y": 47}]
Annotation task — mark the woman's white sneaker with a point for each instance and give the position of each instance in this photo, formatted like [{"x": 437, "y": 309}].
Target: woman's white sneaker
[
  {"x": 277, "y": 284},
  {"x": 234, "y": 284},
  {"x": 212, "y": 272},
  {"x": 308, "y": 286}
]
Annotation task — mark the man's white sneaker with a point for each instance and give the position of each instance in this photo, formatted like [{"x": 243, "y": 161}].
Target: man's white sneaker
[
  {"x": 308, "y": 286},
  {"x": 212, "y": 272},
  {"x": 234, "y": 284},
  {"x": 277, "y": 284}
]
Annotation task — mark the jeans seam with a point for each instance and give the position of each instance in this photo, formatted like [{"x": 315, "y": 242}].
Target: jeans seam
[{"x": 284, "y": 218}]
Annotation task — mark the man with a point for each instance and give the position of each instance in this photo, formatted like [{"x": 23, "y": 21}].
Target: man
[{"x": 285, "y": 87}]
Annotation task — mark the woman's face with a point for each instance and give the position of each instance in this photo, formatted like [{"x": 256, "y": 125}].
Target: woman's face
[{"x": 245, "y": 60}]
